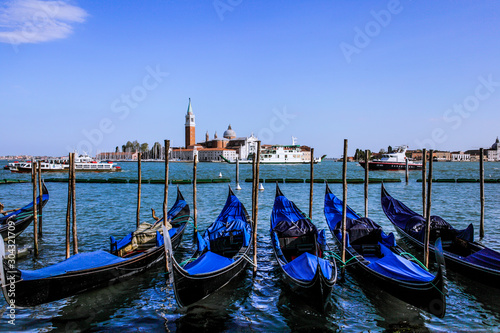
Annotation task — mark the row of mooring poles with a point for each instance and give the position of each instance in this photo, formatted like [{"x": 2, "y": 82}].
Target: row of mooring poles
[{"x": 71, "y": 208}]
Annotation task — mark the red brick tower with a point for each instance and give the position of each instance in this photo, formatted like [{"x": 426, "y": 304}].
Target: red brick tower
[{"x": 190, "y": 127}]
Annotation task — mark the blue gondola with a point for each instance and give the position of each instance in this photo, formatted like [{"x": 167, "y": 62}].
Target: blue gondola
[
  {"x": 13, "y": 224},
  {"x": 221, "y": 255},
  {"x": 300, "y": 251},
  {"x": 85, "y": 271},
  {"x": 375, "y": 255},
  {"x": 461, "y": 252}
]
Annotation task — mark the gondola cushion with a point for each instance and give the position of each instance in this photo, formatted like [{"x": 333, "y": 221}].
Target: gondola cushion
[
  {"x": 399, "y": 268},
  {"x": 304, "y": 267},
  {"x": 208, "y": 262},
  {"x": 77, "y": 262}
]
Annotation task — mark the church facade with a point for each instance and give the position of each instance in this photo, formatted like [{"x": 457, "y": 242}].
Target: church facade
[{"x": 229, "y": 146}]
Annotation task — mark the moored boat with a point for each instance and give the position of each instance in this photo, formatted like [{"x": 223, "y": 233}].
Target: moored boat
[
  {"x": 393, "y": 161},
  {"x": 221, "y": 255},
  {"x": 375, "y": 256},
  {"x": 14, "y": 223},
  {"x": 301, "y": 252},
  {"x": 461, "y": 252},
  {"x": 83, "y": 163},
  {"x": 84, "y": 271}
]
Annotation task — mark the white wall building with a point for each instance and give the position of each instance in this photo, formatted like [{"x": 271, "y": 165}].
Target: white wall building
[{"x": 460, "y": 156}]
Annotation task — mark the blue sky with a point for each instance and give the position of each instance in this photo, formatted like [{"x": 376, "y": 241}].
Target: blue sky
[{"x": 91, "y": 75}]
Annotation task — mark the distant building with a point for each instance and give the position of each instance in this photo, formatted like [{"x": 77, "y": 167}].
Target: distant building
[
  {"x": 229, "y": 146},
  {"x": 494, "y": 151},
  {"x": 460, "y": 156}
]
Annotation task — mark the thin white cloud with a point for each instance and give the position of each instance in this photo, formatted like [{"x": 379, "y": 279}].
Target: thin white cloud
[{"x": 36, "y": 21}]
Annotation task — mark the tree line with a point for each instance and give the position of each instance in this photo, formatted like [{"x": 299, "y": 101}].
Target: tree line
[{"x": 156, "y": 152}]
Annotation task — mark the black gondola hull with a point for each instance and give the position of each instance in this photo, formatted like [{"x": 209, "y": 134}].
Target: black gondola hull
[
  {"x": 190, "y": 289},
  {"x": 34, "y": 292}
]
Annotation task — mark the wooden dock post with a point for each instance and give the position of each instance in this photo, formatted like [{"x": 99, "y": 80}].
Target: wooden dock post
[
  {"x": 40, "y": 191},
  {"x": 406, "y": 170},
  {"x": 366, "y": 182},
  {"x": 344, "y": 204},
  {"x": 311, "y": 185},
  {"x": 424, "y": 182},
  {"x": 256, "y": 208},
  {"x": 255, "y": 185},
  {"x": 139, "y": 181},
  {"x": 165, "y": 193},
  {"x": 195, "y": 209},
  {"x": 68, "y": 207},
  {"x": 35, "y": 206},
  {"x": 481, "y": 191},
  {"x": 428, "y": 214},
  {"x": 73, "y": 198},
  {"x": 238, "y": 187}
]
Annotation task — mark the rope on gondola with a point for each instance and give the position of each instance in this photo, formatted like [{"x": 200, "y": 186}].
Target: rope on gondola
[
  {"x": 189, "y": 217},
  {"x": 415, "y": 259},
  {"x": 337, "y": 257},
  {"x": 244, "y": 256}
]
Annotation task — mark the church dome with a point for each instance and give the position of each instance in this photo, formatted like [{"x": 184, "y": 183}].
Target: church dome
[
  {"x": 496, "y": 145},
  {"x": 229, "y": 133}
]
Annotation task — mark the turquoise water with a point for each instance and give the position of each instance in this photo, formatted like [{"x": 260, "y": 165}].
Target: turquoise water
[{"x": 146, "y": 303}]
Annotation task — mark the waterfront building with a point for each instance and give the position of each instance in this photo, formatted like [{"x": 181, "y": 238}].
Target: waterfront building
[
  {"x": 494, "y": 151},
  {"x": 460, "y": 156}
]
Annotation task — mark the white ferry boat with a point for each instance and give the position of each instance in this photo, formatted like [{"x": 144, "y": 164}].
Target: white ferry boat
[
  {"x": 282, "y": 154},
  {"x": 393, "y": 161},
  {"x": 83, "y": 163}
]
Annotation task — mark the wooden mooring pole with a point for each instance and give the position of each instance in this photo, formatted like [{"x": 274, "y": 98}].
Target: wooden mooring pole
[
  {"x": 481, "y": 191},
  {"x": 256, "y": 208},
  {"x": 195, "y": 209},
  {"x": 366, "y": 181},
  {"x": 165, "y": 193},
  {"x": 406, "y": 170},
  {"x": 73, "y": 205},
  {"x": 139, "y": 181},
  {"x": 311, "y": 185},
  {"x": 344, "y": 204},
  {"x": 35, "y": 205},
  {"x": 40, "y": 204},
  {"x": 428, "y": 213},
  {"x": 424, "y": 182},
  {"x": 165, "y": 199},
  {"x": 238, "y": 187},
  {"x": 68, "y": 207}
]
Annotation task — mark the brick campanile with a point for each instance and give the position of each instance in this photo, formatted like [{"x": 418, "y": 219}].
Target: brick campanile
[{"x": 190, "y": 127}]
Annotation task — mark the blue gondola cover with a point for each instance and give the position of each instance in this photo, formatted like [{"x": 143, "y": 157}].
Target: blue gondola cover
[
  {"x": 77, "y": 262},
  {"x": 207, "y": 262},
  {"x": 304, "y": 267}
]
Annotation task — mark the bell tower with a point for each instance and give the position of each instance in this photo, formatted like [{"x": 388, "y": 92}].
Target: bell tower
[{"x": 190, "y": 127}]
